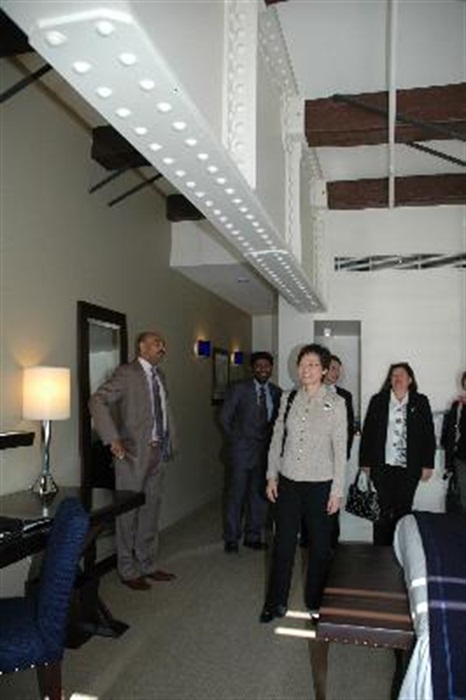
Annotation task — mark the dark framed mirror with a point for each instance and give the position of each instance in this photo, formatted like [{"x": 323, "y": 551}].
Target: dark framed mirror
[{"x": 102, "y": 346}]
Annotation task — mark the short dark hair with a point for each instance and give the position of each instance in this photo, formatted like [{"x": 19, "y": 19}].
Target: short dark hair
[
  {"x": 315, "y": 349},
  {"x": 386, "y": 386},
  {"x": 463, "y": 380},
  {"x": 335, "y": 358},
  {"x": 260, "y": 355}
]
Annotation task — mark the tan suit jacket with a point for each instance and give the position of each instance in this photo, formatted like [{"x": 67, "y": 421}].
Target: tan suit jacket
[{"x": 121, "y": 410}]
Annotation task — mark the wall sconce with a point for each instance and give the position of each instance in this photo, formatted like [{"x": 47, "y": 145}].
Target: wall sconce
[
  {"x": 46, "y": 397},
  {"x": 203, "y": 348},
  {"x": 237, "y": 357}
]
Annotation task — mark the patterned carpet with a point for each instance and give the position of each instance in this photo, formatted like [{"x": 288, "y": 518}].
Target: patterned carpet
[{"x": 198, "y": 637}]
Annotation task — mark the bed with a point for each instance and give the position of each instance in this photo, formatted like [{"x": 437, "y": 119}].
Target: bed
[{"x": 431, "y": 548}]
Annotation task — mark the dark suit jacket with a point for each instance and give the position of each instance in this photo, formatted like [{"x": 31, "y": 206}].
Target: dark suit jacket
[
  {"x": 448, "y": 439},
  {"x": 239, "y": 419},
  {"x": 345, "y": 394},
  {"x": 420, "y": 436}
]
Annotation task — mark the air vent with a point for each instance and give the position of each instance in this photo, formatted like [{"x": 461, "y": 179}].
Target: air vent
[{"x": 415, "y": 261}]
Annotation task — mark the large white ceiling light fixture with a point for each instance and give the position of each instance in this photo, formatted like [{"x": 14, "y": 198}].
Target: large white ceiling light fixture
[{"x": 108, "y": 58}]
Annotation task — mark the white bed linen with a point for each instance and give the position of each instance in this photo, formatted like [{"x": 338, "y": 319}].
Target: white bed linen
[{"x": 417, "y": 683}]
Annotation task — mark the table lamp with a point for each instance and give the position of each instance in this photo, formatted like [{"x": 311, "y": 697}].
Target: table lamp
[{"x": 46, "y": 397}]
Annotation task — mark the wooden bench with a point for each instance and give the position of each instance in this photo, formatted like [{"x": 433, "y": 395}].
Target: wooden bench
[{"x": 365, "y": 602}]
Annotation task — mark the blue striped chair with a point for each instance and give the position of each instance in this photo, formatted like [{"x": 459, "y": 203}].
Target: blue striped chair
[{"x": 33, "y": 629}]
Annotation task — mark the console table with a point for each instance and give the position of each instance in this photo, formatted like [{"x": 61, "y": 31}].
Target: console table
[
  {"x": 89, "y": 614},
  {"x": 365, "y": 602}
]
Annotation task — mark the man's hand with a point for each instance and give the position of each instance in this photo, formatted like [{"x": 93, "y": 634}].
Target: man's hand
[
  {"x": 117, "y": 449},
  {"x": 271, "y": 490}
]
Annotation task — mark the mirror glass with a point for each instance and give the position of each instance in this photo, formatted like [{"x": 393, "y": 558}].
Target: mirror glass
[{"x": 102, "y": 346}]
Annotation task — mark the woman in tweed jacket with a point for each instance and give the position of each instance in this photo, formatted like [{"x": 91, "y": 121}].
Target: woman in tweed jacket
[{"x": 305, "y": 479}]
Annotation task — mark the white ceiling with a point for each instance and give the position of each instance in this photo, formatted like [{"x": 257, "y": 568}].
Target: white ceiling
[{"x": 348, "y": 47}]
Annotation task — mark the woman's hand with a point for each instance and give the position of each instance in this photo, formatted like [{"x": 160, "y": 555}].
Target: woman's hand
[
  {"x": 426, "y": 473},
  {"x": 271, "y": 490},
  {"x": 366, "y": 470},
  {"x": 333, "y": 505}
]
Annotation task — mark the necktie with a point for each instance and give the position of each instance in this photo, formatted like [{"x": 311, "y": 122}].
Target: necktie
[
  {"x": 262, "y": 405},
  {"x": 158, "y": 412}
]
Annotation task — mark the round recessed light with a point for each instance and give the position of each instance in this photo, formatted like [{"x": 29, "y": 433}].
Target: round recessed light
[
  {"x": 212, "y": 169},
  {"x": 123, "y": 112},
  {"x": 209, "y": 203},
  {"x": 200, "y": 194},
  {"x": 203, "y": 156},
  {"x": 55, "y": 38},
  {"x": 229, "y": 190},
  {"x": 81, "y": 67},
  {"x": 127, "y": 59},
  {"x": 155, "y": 146},
  {"x": 221, "y": 180},
  {"x": 180, "y": 173},
  {"x": 179, "y": 126},
  {"x": 164, "y": 107},
  {"x": 191, "y": 184},
  {"x": 147, "y": 84},
  {"x": 104, "y": 27},
  {"x": 104, "y": 91},
  {"x": 168, "y": 160},
  {"x": 191, "y": 142},
  {"x": 140, "y": 130}
]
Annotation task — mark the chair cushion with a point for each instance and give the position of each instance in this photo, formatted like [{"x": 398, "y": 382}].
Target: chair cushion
[{"x": 21, "y": 644}]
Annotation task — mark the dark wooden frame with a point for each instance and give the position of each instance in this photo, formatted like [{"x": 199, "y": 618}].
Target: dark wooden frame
[
  {"x": 90, "y": 312},
  {"x": 218, "y": 390}
]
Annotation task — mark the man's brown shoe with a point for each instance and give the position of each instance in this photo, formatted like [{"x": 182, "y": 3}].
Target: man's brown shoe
[
  {"x": 161, "y": 576},
  {"x": 136, "y": 584}
]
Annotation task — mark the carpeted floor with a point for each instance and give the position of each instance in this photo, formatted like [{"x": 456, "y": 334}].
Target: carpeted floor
[{"x": 198, "y": 637}]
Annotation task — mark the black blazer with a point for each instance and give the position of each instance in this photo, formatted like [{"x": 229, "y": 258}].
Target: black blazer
[
  {"x": 345, "y": 394},
  {"x": 238, "y": 414},
  {"x": 420, "y": 435}
]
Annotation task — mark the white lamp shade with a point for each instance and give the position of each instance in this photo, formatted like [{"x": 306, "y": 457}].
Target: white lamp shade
[{"x": 46, "y": 393}]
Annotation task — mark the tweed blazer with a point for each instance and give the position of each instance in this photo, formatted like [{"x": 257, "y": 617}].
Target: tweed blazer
[
  {"x": 315, "y": 446},
  {"x": 121, "y": 409},
  {"x": 420, "y": 435}
]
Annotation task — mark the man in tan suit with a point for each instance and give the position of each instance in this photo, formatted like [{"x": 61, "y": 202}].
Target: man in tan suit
[{"x": 131, "y": 414}]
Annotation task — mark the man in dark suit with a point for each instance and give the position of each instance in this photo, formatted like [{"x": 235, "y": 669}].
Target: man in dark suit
[
  {"x": 131, "y": 413},
  {"x": 331, "y": 379},
  {"x": 247, "y": 418}
]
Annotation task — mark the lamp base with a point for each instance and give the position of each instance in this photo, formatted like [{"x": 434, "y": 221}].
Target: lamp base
[{"x": 45, "y": 487}]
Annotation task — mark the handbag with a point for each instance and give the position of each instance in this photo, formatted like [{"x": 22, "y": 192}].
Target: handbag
[
  {"x": 452, "y": 496},
  {"x": 362, "y": 498}
]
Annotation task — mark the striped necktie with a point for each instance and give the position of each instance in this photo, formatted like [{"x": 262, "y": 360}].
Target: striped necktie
[{"x": 157, "y": 403}]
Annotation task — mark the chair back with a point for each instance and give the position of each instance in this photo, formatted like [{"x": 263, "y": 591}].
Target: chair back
[{"x": 58, "y": 573}]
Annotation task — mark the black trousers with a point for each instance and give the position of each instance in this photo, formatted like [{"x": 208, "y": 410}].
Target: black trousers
[
  {"x": 396, "y": 489},
  {"x": 297, "y": 501}
]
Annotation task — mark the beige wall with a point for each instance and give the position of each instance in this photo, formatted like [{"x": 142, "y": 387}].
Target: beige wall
[{"x": 59, "y": 244}]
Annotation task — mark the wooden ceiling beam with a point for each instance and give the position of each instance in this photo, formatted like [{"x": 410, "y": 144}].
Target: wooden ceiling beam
[
  {"x": 329, "y": 122},
  {"x": 419, "y": 190}
]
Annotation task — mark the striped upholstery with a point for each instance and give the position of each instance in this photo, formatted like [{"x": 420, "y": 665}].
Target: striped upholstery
[{"x": 32, "y": 630}]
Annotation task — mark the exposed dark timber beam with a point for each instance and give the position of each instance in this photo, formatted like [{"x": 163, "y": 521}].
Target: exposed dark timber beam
[
  {"x": 21, "y": 84},
  {"x": 336, "y": 123},
  {"x": 111, "y": 150},
  {"x": 419, "y": 190},
  {"x": 13, "y": 40},
  {"x": 179, "y": 208}
]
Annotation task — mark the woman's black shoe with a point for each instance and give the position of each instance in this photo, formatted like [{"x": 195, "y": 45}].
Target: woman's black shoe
[{"x": 269, "y": 614}]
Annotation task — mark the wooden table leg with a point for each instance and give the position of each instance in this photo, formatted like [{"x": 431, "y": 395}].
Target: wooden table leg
[{"x": 318, "y": 650}]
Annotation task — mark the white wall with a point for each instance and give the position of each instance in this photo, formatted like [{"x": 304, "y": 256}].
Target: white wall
[{"x": 417, "y": 316}]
